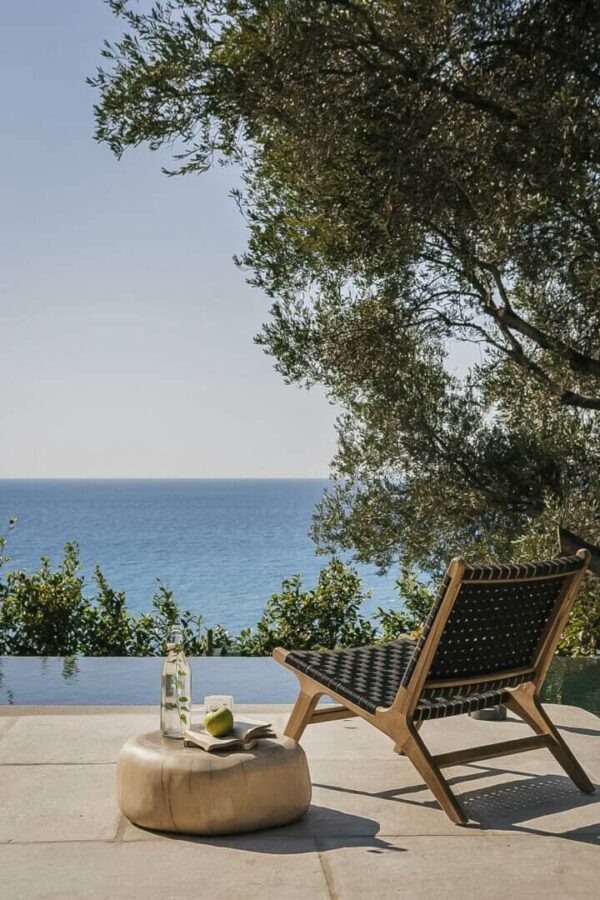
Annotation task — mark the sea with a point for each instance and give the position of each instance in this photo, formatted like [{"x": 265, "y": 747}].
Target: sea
[{"x": 223, "y": 546}]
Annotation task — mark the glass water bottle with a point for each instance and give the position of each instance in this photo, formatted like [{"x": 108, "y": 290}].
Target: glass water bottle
[{"x": 176, "y": 687}]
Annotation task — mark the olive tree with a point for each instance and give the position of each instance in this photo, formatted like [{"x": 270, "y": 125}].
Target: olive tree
[{"x": 419, "y": 177}]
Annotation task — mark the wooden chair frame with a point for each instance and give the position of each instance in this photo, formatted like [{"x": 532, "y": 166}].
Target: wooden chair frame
[{"x": 397, "y": 720}]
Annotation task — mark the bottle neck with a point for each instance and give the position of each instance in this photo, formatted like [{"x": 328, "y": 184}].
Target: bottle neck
[{"x": 175, "y": 640}]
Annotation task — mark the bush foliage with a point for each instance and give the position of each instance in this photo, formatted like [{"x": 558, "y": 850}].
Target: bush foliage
[{"x": 52, "y": 612}]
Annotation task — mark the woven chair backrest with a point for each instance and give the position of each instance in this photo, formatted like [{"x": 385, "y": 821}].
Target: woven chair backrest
[{"x": 498, "y": 618}]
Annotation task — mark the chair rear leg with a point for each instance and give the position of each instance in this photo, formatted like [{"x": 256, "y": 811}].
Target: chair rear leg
[
  {"x": 414, "y": 748},
  {"x": 301, "y": 714},
  {"x": 528, "y": 707}
]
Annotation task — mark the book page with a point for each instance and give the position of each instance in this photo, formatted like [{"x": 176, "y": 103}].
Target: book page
[{"x": 244, "y": 735}]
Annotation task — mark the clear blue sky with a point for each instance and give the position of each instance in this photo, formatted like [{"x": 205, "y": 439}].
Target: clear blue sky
[{"x": 125, "y": 329}]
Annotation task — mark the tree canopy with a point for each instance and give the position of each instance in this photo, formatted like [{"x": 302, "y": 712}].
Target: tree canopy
[{"x": 419, "y": 177}]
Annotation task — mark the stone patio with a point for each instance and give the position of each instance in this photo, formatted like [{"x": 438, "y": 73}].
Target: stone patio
[{"x": 373, "y": 829}]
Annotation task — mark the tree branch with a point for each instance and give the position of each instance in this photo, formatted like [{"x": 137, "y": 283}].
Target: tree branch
[
  {"x": 509, "y": 321},
  {"x": 578, "y": 362}
]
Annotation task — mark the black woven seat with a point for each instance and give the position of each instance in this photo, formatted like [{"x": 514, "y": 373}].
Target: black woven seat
[
  {"x": 371, "y": 676},
  {"x": 488, "y": 640}
]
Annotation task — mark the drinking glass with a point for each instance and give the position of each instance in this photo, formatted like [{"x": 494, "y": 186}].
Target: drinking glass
[{"x": 216, "y": 701}]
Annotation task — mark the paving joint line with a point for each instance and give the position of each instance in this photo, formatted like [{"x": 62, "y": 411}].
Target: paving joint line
[
  {"x": 11, "y": 843},
  {"x": 44, "y": 764},
  {"x": 121, "y": 826},
  {"x": 327, "y": 871}
]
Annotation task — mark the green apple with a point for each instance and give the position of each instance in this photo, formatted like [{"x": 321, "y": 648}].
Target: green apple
[{"x": 219, "y": 722}]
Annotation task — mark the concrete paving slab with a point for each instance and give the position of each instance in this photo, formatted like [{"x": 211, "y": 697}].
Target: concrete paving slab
[
  {"x": 161, "y": 870},
  {"x": 489, "y": 868},
  {"x": 373, "y": 829},
  {"x": 546, "y": 804},
  {"x": 354, "y": 739},
  {"x": 462, "y": 731},
  {"x": 573, "y": 717},
  {"x": 57, "y": 803},
  {"x": 71, "y": 739},
  {"x": 346, "y": 739},
  {"x": 6, "y": 724},
  {"x": 541, "y": 762},
  {"x": 374, "y": 798},
  {"x": 393, "y": 795},
  {"x": 493, "y": 798}
]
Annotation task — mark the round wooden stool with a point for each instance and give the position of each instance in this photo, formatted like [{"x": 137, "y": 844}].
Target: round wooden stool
[{"x": 168, "y": 787}]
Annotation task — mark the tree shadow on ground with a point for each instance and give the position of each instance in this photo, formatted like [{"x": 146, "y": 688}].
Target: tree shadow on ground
[{"x": 573, "y": 729}]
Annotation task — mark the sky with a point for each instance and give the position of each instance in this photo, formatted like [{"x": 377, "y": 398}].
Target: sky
[{"x": 125, "y": 328}]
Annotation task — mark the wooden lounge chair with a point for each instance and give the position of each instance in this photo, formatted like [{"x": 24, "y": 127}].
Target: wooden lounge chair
[{"x": 489, "y": 640}]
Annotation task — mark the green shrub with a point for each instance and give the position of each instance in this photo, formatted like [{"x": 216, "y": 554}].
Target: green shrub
[
  {"x": 46, "y": 613},
  {"x": 417, "y": 601},
  {"x": 325, "y": 617},
  {"x": 49, "y": 613}
]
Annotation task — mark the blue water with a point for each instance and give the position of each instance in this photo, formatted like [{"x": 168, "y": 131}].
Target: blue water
[
  {"x": 223, "y": 546},
  {"x": 133, "y": 681}
]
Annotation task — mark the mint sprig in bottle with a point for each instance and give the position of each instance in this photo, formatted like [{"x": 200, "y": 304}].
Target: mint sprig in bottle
[{"x": 176, "y": 687}]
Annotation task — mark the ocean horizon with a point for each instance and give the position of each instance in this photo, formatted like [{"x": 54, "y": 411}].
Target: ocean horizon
[{"x": 223, "y": 545}]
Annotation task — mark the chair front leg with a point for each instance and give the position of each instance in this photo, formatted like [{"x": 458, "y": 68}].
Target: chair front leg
[
  {"x": 301, "y": 714},
  {"x": 526, "y": 704}
]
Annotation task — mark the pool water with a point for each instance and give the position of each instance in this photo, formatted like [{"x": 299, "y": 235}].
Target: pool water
[
  {"x": 135, "y": 681},
  {"x": 574, "y": 682}
]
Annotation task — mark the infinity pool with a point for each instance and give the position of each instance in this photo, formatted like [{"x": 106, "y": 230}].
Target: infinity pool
[{"x": 135, "y": 681}]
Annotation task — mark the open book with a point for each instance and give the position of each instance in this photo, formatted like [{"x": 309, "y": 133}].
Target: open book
[{"x": 245, "y": 734}]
